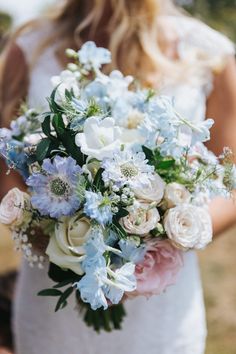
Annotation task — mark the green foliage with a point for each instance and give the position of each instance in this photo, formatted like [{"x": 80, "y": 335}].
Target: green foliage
[{"x": 107, "y": 320}]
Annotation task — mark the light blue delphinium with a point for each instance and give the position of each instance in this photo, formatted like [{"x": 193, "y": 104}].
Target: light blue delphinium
[
  {"x": 201, "y": 131},
  {"x": 131, "y": 251},
  {"x": 95, "y": 246},
  {"x": 91, "y": 287},
  {"x": 20, "y": 126},
  {"x": 54, "y": 189},
  {"x": 98, "y": 207},
  {"x": 100, "y": 282},
  {"x": 94, "y": 265},
  {"x": 121, "y": 280},
  {"x": 93, "y": 57}
]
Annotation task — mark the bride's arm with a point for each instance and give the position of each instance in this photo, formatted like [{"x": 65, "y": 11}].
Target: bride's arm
[
  {"x": 13, "y": 89},
  {"x": 222, "y": 108}
]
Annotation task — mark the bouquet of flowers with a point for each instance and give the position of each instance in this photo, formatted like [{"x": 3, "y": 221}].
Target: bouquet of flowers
[{"x": 118, "y": 186}]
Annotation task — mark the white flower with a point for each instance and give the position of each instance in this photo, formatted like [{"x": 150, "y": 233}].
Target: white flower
[
  {"x": 14, "y": 208},
  {"x": 65, "y": 247},
  {"x": 66, "y": 81},
  {"x": 176, "y": 194},
  {"x": 188, "y": 226},
  {"x": 128, "y": 168},
  {"x": 100, "y": 137},
  {"x": 152, "y": 193},
  {"x": 34, "y": 139},
  {"x": 141, "y": 219},
  {"x": 93, "y": 57}
]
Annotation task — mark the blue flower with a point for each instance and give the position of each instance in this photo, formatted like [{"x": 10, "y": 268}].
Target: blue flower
[
  {"x": 54, "y": 189},
  {"x": 20, "y": 126},
  {"x": 132, "y": 252},
  {"x": 91, "y": 288},
  {"x": 17, "y": 157},
  {"x": 98, "y": 207},
  {"x": 5, "y": 137},
  {"x": 93, "y": 57},
  {"x": 95, "y": 246},
  {"x": 122, "y": 280}
]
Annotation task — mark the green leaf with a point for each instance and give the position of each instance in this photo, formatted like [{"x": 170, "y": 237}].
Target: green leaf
[
  {"x": 165, "y": 165},
  {"x": 55, "y": 108},
  {"x": 119, "y": 229},
  {"x": 68, "y": 141},
  {"x": 59, "y": 275},
  {"x": 61, "y": 302},
  {"x": 122, "y": 213},
  {"x": 46, "y": 126},
  {"x": 98, "y": 181},
  {"x": 148, "y": 153},
  {"x": 42, "y": 149},
  {"x": 58, "y": 124},
  {"x": 63, "y": 283},
  {"x": 50, "y": 292}
]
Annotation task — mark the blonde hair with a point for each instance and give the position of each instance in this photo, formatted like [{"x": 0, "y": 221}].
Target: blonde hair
[{"x": 129, "y": 29}]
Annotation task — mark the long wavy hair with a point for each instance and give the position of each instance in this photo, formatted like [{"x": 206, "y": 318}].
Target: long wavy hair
[
  {"x": 135, "y": 31},
  {"x": 131, "y": 29}
]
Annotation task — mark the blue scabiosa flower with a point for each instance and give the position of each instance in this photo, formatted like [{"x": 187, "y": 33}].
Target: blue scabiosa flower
[
  {"x": 54, "y": 189},
  {"x": 98, "y": 207},
  {"x": 93, "y": 57}
]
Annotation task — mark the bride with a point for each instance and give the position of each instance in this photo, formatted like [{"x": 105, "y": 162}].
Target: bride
[{"x": 178, "y": 56}]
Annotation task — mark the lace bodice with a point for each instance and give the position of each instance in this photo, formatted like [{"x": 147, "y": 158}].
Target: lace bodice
[{"x": 172, "y": 323}]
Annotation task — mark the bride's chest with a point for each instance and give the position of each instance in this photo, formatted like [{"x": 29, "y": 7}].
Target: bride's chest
[{"x": 189, "y": 100}]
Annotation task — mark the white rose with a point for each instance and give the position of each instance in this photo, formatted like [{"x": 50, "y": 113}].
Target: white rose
[
  {"x": 176, "y": 194},
  {"x": 153, "y": 193},
  {"x": 100, "y": 137},
  {"x": 141, "y": 219},
  {"x": 14, "y": 208},
  {"x": 66, "y": 81},
  {"x": 65, "y": 247},
  {"x": 188, "y": 226}
]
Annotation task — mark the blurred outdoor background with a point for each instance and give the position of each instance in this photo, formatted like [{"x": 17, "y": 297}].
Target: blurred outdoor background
[{"x": 218, "y": 262}]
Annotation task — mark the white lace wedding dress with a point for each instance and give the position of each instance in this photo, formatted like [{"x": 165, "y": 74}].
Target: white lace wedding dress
[{"x": 172, "y": 323}]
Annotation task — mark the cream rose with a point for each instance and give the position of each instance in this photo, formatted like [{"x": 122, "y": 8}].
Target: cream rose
[
  {"x": 153, "y": 193},
  {"x": 141, "y": 219},
  {"x": 65, "y": 247},
  {"x": 14, "y": 208},
  {"x": 176, "y": 194},
  {"x": 188, "y": 226}
]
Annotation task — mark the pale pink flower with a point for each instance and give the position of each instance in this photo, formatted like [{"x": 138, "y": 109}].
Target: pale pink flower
[{"x": 159, "y": 269}]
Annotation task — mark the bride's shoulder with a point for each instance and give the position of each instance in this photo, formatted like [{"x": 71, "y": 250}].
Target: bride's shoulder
[{"x": 196, "y": 34}]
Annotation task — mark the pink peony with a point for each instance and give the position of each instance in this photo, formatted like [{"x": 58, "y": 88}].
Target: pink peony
[{"x": 159, "y": 268}]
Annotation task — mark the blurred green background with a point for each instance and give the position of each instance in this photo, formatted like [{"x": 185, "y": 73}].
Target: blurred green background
[
  {"x": 218, "y": 262},
  {"x": 220, "y": 14}
]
